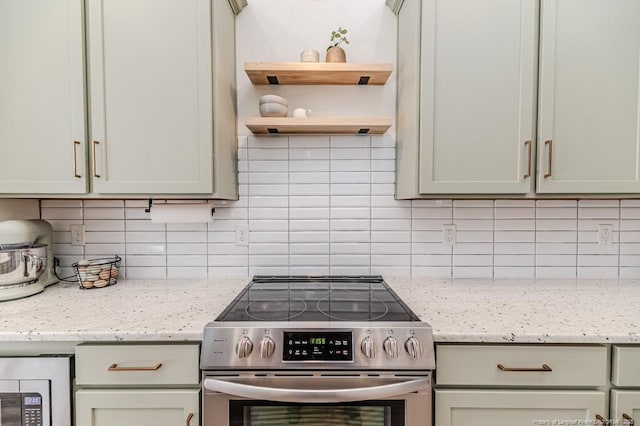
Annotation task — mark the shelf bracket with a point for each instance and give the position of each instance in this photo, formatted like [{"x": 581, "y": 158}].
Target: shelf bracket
[
  {"x": 364, "y": 80},
  {"x": 148, "y": 209},
  {"x": 272, "y": 79},
  {"x": 272, "y": 130},
  {"x": 363, "y": 131}
]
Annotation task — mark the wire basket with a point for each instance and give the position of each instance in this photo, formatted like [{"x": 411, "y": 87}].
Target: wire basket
[{"x": 97, "y": 273}]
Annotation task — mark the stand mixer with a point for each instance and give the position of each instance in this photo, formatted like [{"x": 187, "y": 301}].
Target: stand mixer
[{"x": 26, "y": 258}]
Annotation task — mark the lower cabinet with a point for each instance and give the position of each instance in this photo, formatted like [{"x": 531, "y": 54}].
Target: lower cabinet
[
  {"x": 521, "y": 385},
  {"x": 137, "y": 407},
  {"x": 625, "y": 406},
  {"x": 137, "y": 384},
  {"x": 518, "y": 408}
]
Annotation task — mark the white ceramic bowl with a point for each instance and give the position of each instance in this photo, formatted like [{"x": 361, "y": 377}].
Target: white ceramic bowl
[
  {"x": 273, "y": 110},
  {"x": 273, "y": 99}
]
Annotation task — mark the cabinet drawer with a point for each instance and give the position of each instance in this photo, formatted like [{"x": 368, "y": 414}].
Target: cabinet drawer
[
  {"x": 625, "y": 370},
  {"x": 518, "y": 365},
  {"x": 176, "y": 364}
]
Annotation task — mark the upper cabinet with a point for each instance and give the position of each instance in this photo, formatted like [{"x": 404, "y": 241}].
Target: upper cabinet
[
  {"x": 469, "y": 91},
  {"x": 161, "y": 98},
  {"x": 42, "y": 104},
  {"x": 589, "y": 73}
]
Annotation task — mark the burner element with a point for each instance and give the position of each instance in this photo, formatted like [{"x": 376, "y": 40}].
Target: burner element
[
  {"x": 353, "y": 310},
  {"x": 275, "y": 310}
]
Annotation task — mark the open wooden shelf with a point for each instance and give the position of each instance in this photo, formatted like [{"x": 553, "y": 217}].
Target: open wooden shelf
[
  {"x": 310, "y": 73},
  {"x": 318, "y": 125}
]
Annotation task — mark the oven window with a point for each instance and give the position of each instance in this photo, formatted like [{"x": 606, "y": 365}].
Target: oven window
[{"x": 267, "y": 413}]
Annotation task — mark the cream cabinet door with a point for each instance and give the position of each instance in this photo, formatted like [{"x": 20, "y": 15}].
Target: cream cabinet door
[
  {"x": 589, "y": 70},
  {"x": 478, "y": 96},
  {"x": 150, "y": 74},
  {"x": 518, "y": 408},
  {"x": 625, "y": 407},
  {"x": 137, "y": 407},
  {"x": 42, "y": 102}
]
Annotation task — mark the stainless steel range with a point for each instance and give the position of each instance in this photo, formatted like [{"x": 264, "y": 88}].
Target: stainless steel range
[{"x": 323, "y": 350}]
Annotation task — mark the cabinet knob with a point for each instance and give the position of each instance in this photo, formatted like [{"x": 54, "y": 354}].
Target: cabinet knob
[{"x": 244, "y": 347}]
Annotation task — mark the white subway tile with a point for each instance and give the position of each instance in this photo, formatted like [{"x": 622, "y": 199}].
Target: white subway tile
[
  {"x": 599, "y": 203},
  {"x": 599, "y": 272},
  {"x": 472, "y": 272},
  {"x": 567, "y": 260},
  {"x": 514, "y": 213},
  {"x": 350, "y": 189},
  {"x": 430, "y": 248},
  {"x": 268, "y": 270},
  {"x": 144, "y": 225},
  {"x": 591, "y": 260},
  {"x": 629, "y": 225},
  {"x": 136, "y": 213},
  {"x": 514, "y": 236},
  {"x": 146, "y": 260},
  {"x": 383, "y": 177},
  {"x": 630, "y": 273},
  {"x": 136, "y": 203},
  {"x": 426, "y": 236},
  {"x": 186, "y": 237},
  {"x": 60, "y": 203},
  {"x": 139, "y": 237},
  {"x": 514, "y": 248},
  {"x": 228, "y": 225},
  {"x": 472, "y": 260},
  {"x": 556, "y": 213},
  {"x": 309, "y": 248},
  {"x": 61, "y": 237},
  {"x": 222, "y": 237},
  {"x": 186, "y": 227},
  {"x": 390, "y": 224},
  {"x": 383, "y": 165},
  {"x": 431, "y": 271},
  {"x": 513, "y": 272},
  {"x": 351, "y": 177},
  {"x": 308, "y": 225},
  {"x": 150, "y": 249},
  {"x": 268, "y": 165},
  {"x": 64, "y": 213},
  {"x": 389, "y": 201},
  {"x": 428, "y": 212},
  {"x": 191, "y": 273},
  {"x": 309, "y": 270},
  {"x": 472, "y": 212},
  {"x": 309, "y": 213},
  {"x": 429, "y": 224},
  {"x": 312, "y": 237},
  {"x": 556, "y": 236},
  {"x": 186, "y": 249},
  {"x": 391, "y": 271},
  {"x": 432, "y": 203},
  {"x": 228, "y": 272},
  {"x": 226, "y": 249},
  {"x": 556, "y": 248},
  {"x": 383, "y": 153},
  {"x": 382, "y": 189},
  {"x": 630, "y": 237},
  {"x": 267, "y": 237},
  {"x": 308, "y": 201},
  {"x": 111, "y": 249},
  {"x": 556, "y": 272},
  {"x": 103, "y": 213},
  {"x": 232, "y": 213},
  {"x": 350, "y": 213},
  {"x": 556, "y": 225},
  {"x": 309, "y": 260},
  {"x": 390, "y": 236},
  {"x": 356, "y": 141},
  {"x": 473, "y": 203},
  {"x": 597, "y": 249},
  {"x": 67, "y": 249},
  {"x": 280, "y": 248},
  {"x": 350, "y": 201},
  {"x": 296, "y": 166},
  {"x": 473, "y": 248},
  {"x": 390, "y": 213},
  {"x": 391, "y": 248},
  {"x": 514, "y": 260},
  {"x": 515, "y": 224},
  {"x": 350, "y": 248},
  {"x": 630, "y": 249},
  {"x": 598, "y": 213},
  {"x": 267, "y": 142},
  {"x": 309, "y": 177},
  {"x": 280, "y": 260},
  {"x": 260, "y": 213},
  {"x": 63, "y": 225},
  {"x": 431, "y": 260},
  {"x": 309, "y": 189},
  {"x": 349, "y": 224},
  {"x": 350, "y": 165},
  {"x": 390, "y": 260},
  {"x": 199, "y": 260},
  {"x": 309, "y": 154},
  {"x": 146, "y": 273},
  {"x": 474, "y": 236},
  {"x": 351, "y": 153},
  {"x": 349, "y": 260},
  {"x": 267, "y": 154},
  {"x": 228, "y": 260},
  {"x": 273, "y": 189},
  {"x": 350, "y": 270},
  {"x": 350, "y": 236},
  {"x": 104, "y": 203},
  {"x": 104, "y": 237},
  {"x": 104, "y": 225},
  {"x": 308, "y": 141},
  {"x": 514, "y": 203},
  {"x": 383, "y": 141},
  {"x": 268, "y": 225},
  {"x": 268, "y": 178},
  {"x": 556, "y": 203},
  {"x": 473, "y": 224}
]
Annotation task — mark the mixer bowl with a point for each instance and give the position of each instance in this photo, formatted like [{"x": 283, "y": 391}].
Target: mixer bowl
[{"x": 22, "y": 265}]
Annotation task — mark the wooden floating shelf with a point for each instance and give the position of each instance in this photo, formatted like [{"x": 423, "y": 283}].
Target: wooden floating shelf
[
  {"x": 318, "y": 125},
  {"x": 313, "y": 73}
]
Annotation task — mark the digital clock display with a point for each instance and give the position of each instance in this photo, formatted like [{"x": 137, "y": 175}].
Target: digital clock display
[{"x": 318, "y": 346}]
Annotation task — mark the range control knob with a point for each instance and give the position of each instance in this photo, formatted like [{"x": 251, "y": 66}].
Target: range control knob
[
  {"x": 266, "y": 347},
  {"x": 368, "y": 347},
  {"x": 244, "y": 347},
  {"x": 413, "y": 346},
  {"x": 390, "y": 346}
]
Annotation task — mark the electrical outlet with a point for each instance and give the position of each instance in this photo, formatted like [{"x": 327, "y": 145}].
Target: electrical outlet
[
  {"x": 242, "y": 235},
  {"x": 448, "y": 235},
  {"x": 77, "y": 235},
  {"x": 605, "y": 235}
]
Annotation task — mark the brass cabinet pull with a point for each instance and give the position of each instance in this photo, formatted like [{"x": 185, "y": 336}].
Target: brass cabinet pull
[
  {"x": 628, "y": 418},
  {"x": 549, "y": 143},
  {"x": 75, "y": 160},
  {"x": 93, "y": 148},
  {"x": 189, "y": 417},
  {"x": 601, "y": 419},
  {"x": 528, "y": 174},
  {"x": 544, "y": 368},
  {"x": 114, "y": 367}
]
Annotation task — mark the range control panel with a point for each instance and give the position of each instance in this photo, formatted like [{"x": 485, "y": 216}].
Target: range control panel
[{"x": 318, "y": 346}]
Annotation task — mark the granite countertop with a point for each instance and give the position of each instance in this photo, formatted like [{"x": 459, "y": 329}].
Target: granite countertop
[{"x": 459, "y": 310}]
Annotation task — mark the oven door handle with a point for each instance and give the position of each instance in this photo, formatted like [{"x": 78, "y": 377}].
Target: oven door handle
[{"x": 351, "y": 388}]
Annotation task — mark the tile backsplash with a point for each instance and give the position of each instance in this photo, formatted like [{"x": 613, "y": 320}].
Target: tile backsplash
[{"x": 324, "y": 205}]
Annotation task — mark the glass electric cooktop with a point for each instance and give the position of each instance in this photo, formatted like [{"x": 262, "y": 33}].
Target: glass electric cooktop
[{"x": 317, "y": 298}]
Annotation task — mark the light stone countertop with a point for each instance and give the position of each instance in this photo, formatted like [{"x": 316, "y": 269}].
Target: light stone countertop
[{"x": 459, "y": 310}]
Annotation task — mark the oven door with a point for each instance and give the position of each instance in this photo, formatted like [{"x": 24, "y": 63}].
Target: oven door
[{"x": 317, "y": 399}]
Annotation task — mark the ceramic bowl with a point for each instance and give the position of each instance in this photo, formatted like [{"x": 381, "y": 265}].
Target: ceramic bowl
[
  {"x": 273, "y": 99},
  {"x": 273, "y": 110}
]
